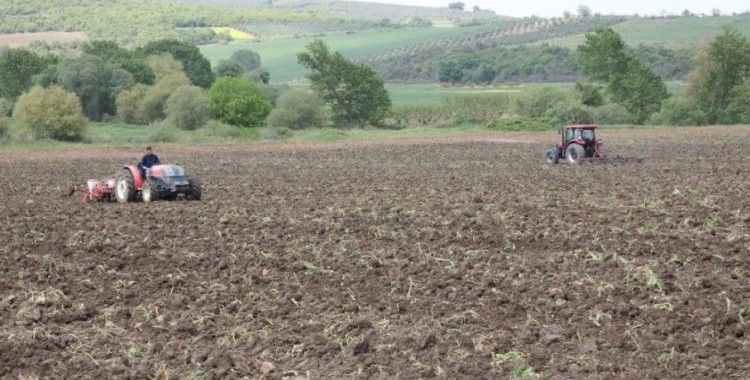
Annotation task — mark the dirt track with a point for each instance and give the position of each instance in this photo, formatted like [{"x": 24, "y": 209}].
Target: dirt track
[{"x": 460, "y": 258}]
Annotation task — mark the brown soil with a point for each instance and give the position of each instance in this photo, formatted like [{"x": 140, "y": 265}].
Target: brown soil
[
  {"x": 16, "y": 40},
  {"x": 455, "y": 258}
]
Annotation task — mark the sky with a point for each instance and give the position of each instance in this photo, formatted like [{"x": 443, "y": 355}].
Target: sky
[{"x": 556, "y": 8}]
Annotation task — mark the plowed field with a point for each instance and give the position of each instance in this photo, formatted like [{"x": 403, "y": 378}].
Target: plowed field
[{"x": 457, "y": 259}]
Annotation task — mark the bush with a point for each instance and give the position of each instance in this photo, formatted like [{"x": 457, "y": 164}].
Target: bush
[
  {"x": 4, "y": 131},
  {"x": 129, "y": 104},
  {"x": 536, "y": 102},
  {"x": 51, "y": 112},
  {"x": 298, "y": 109},
  {"x": 164, "y": 65},
  {"x": 678, "y": 111},
  {"x": 6, "y": 107},
  {"x": 567, "y": 113},
  {"x": 521, "y": 124},
  {"x": 145, "y": 104},
  {"x": 238, "y": 102},
  {"x": 164, "y": 133},
  {"x": 228, "y": 69},
  {"x": 738, "y": 109},
  {"x": 612, "y": 114},
  {"x": 188, "y": 108},
  {"x": 217, "y": 129},
  {"x": 589, "y": 94}
]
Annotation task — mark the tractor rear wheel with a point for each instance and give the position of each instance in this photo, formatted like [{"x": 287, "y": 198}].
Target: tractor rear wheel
[
  {"x": 151, "y": 190},
  {"x": 574, "y": 153},
  {"x": 553, "y": 156},
  {"x": 196, "y": 190},
  {"x": 125, "y": 187}
]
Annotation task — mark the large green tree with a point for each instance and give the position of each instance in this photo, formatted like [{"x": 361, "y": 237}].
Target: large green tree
[
  {"x": 17, "y": 68},
  {"x": 196, "y": 66},
  {"x": 719, "y": 85},
  {"x": 605, "y": 57},
  {"x": 96, "y": 82},
  {"x": 355, "y": 93},
  {"x": 111, "y": 52}
]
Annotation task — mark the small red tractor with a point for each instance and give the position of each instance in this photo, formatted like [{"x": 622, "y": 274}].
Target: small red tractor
[
  {"x": 159, "y": 182},
  {"x": 577, "y": 143}
]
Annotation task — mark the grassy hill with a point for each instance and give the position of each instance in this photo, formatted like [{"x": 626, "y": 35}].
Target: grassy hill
[
  {"x": 361, "y": 10},
  {"x": 135, "y": 22},
  {"x": 678, "y": 32},
  {"x": 279, "y": 55}
]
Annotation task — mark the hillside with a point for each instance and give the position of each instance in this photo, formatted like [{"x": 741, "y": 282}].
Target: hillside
[
  {"x": 543, "y": 50},
  {"x": 135, "y": 22},
  {"x": 279, "y": 55},
  {"x": 361, "y": 10},
  {"x": 675, "y": 32}
]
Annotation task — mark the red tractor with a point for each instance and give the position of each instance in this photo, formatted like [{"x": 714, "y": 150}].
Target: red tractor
[
  {"x": 578, "y": 143},
  {"x": 130, "y": 184}
]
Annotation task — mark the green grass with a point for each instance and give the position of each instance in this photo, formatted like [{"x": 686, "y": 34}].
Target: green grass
[
  {"x": 683, "y": 32},
  {"x": 104, "y": 134},
  {"x": 430, "y": 93},
  {"x": 279, "y": 55}
]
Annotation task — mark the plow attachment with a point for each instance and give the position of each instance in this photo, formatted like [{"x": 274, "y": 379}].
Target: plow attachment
[{"x": 96, "y": 191}]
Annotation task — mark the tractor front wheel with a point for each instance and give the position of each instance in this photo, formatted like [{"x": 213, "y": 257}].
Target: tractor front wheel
[
  {"x": 553, "y": 156},
  {"x": 575, "y": 153},
  {"x": 125, "y": 187},
  {"x": 196, "y": 190},
  {"x": 151, "y": 190}
]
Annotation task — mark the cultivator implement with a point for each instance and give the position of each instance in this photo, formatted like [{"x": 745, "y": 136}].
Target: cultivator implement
[{"x": 96, "y": 190}]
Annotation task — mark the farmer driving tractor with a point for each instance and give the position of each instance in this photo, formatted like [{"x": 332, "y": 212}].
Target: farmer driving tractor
[{"x": 148, "y": 160}]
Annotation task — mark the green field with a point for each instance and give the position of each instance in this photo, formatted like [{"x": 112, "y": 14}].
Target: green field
[
  {"x": 279, "y": 55},
  {"x": 405, "y": 94},
  {"x": 683, "y": 32}
]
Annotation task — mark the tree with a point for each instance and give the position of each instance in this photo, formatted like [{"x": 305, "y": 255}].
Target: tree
[
  {"x": 188, "y": 108},
  {"x": 51, "y": 112},
  {"x": 129, "y": 104},
  {"x": 355, "y": 92},
  {"x": 164, "y": 65},
  {"x": 641, "y": 91},
  {"x": 239, "y": 102},
  {"x": 247, "y": 59},
  {"x": 584, "y": 11},
  {"x": 96, "y": 82},
  {"x": 589, "y": 94},
  {"x": 459, "y": 6},
  {"x": 154, "y": 102},
  {"x": 144, "y": 104},
  {"x": 111, "y": 52},
  {"x": 17, "y": 68},
  {"x": 298, "y": 109},
  {"x": 604, "y": 57},
  {"x": 725, "y": 67},
  {"x": 450, "y": 72},
  {"x": 196, "y": 66},
  {"x": 227, "y": 68}
]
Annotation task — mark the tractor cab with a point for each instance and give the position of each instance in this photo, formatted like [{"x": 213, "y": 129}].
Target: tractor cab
[{"x": 576, "y": 142}]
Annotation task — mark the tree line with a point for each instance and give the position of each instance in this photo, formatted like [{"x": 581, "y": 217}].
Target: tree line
[
  {"x": 520, "y": 64},
  {"x": 171, "y": 82}
]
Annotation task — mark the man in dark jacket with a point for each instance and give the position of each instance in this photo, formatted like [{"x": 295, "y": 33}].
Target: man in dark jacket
[{"x": 149, "y": 160}]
